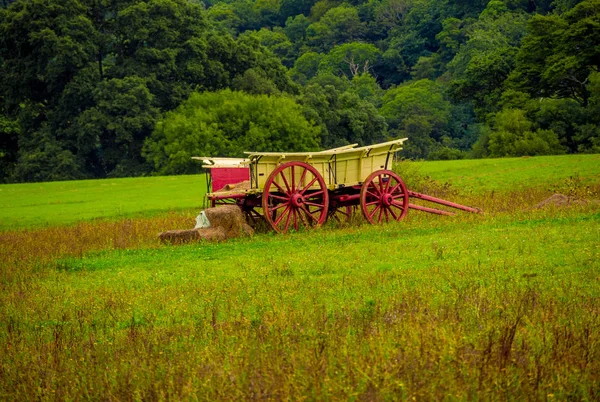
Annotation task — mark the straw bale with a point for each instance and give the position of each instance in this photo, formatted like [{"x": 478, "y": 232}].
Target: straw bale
[
  {"x": 212, "y": 234},
  {"x": 230, "y": 218},
  {"x": 226, "y": 221},
  {"x": 179, "y": 236}
]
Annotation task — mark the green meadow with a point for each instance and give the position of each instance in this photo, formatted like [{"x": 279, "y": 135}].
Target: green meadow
[
  {"x": 480, "y": 175},
  {"x": 67, "y": 202},
  {"x": 495, "y": 306}
]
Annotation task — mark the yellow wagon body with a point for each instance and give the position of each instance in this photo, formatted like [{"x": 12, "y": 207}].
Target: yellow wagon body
[{"x": 340, "y": 167}]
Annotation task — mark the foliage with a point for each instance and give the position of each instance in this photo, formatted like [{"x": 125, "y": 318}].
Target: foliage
[
  {"x": 514, "y": 136},
  {"x": 418, "y": 111},
  {"x": 227, "y": 123},
  {"x": 350, "y": 59},
  {"x": 65, "y": 64},
  {"x": 560, "y": 52},
  {"x": 61, "y": 61},
  {"x": 337, "y": 26},
  {"x": 344, "y": 117}
]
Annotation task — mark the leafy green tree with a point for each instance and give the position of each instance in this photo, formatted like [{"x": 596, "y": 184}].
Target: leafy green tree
[
  {"x": 291, "y": 8},
  {"x": 277, "y": 42},
  {"x": 306, "y": 67},
  {"x": 339, "y": 25},
  {"x": 350, "y": 59},
  {"x": 295, "y": 29},
  {"x": 559, "y": 53},
  {"x": 343, "y": 116},
  {"x": 224, "y": 17},
  {"x": 482, "y": 65},
  {"x": 122, "y": 118},
  {"x": 366, "y": 87},
  {"x": 418, "y": 111},
  {"x": 227, "y": 123},
  {"x": 9, "y": 145},
  {"x": 513, "y": 135}
]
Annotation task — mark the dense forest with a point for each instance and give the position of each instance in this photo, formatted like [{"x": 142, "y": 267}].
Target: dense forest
[{"x": 107, "y": 88}]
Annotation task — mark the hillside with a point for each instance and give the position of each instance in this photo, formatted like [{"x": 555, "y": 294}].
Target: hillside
[{"x": 136, "y": 88}]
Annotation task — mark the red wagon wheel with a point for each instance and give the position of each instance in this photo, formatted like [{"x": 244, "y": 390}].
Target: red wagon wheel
[
  {"x": 295, "y": 195},
  {"x": 383, "y": 196}
]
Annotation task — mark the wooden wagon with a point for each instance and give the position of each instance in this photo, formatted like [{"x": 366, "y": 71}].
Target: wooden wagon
[{"x": 291, "y": 190}]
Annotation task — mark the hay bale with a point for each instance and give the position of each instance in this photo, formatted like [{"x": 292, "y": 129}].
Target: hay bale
[
  {"x": 212, "y": 234},
  {"x": 179, "y": 236},
  {"x": 230, "y": 218},
  {"x": 226, "y": 221}
]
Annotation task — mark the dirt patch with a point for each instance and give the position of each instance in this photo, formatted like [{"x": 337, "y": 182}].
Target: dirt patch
[
  {"x": 226, "y": 222},
  {"x": 561, "y": 200}
]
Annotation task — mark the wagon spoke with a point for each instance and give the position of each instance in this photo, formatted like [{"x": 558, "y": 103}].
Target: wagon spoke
[
  {"x": 387, "y": 184},
  {"x": 295, "y": 220},
  {"x": 285, "y": 204},
  {"x": 372, "y": 195},
  {"x": 309, "y": 214},
  {"x": 395, "y": 188},
  {"x": 372, "y": 184},
  {"x": 315, "y": 194},
  {"x": 309, "y": 186},
  {"x": 381, "y": 193},
  {"x": 284, "y": 181},
  {"x": 279, "y": 187},
  {"x": 303, "y": 217},
  {"x": 380, "y": 183},
  {"x": 374, "y": 210},
  {"x": 398, "y": 205},
  {"x": 292, "y": 185},
  {"x": 287, "y": 209},
  {"x": 277, "y": 207},
  {"x": 278, "y": 197},
  {"x": 302, "y": 178},
  {"x": 287, "y": 222}
]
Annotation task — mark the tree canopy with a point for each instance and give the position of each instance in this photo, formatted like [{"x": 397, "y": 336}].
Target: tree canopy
[{"x": 94, "y": 88}]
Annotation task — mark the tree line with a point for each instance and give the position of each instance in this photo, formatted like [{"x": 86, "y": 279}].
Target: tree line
[{"x": 110, "y": 88}]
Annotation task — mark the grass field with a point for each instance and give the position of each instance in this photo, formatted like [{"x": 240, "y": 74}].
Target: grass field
[
  {"x": 480, "y": 175},
  {"x": 59, "y": 203},
  {"x": 66, "y": 202},
  {"x": 496, "y": 306}
]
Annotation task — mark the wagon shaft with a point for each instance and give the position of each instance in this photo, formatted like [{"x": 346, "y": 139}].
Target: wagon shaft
[{"x": 429, "y": 198}]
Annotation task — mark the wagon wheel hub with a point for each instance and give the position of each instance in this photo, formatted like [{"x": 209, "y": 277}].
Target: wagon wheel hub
[
  {"x": 297, "y": 200},
  {"x": 387, "y": 199}
]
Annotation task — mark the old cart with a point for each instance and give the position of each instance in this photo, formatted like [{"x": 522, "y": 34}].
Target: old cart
[{"x": 303, "y": 189}]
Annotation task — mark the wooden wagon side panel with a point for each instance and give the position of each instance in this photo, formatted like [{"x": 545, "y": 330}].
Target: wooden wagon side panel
[
  {"x": 353, "y": 168},
  {"x": 267, "y": 164}
]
